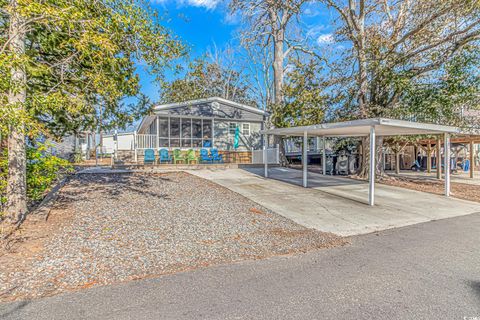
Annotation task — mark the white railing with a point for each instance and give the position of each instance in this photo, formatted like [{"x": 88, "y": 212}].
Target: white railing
[
  {"x": 273, "y": 156},
  {"x": 146, "y": 141}
]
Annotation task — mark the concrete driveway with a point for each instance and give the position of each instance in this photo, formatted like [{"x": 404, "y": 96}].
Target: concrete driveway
[{"x": 336, "y": 204}]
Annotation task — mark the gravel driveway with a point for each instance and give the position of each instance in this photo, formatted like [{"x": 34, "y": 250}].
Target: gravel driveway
[{"x": 120, "y": 227}]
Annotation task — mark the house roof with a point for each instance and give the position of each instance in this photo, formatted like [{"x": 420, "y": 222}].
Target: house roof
[
  {"x": 359, "y": 128},
  {"x": 148, "y": 119},
  {"x": 208, "y": 100}
]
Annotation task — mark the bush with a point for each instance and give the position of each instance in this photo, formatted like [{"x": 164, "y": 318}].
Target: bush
[{"x": 43, "y": 169}]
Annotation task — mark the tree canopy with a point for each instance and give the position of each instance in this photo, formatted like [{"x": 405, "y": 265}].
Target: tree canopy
[
  {"x": 67, "y": 63},
  {"x": 204, "y": 79}
]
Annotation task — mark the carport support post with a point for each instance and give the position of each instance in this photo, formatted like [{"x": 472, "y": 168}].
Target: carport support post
[
  {"x": 265, "y": 160},
  {"x": 371, "y": 172},
  {"x": 472, "y": 158},
  {"x": 447, "y": 164},
  {"x": 324, "y": 157},
  {"x": 439, "y": 159},
  {"x": 304, "y": 158}
]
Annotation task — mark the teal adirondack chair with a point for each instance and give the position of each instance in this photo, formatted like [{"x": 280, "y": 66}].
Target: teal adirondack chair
[
  {"x": 164, "y": 156},
  {"x": 149, "y": 157}
]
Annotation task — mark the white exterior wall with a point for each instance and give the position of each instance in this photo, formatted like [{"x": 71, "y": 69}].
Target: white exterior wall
[{"x": 125, "y": 142}]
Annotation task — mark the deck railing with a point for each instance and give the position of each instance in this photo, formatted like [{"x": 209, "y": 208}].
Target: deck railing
[{"x": 146, "y": 141}]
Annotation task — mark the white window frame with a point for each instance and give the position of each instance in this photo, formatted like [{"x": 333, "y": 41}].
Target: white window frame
[
  {"x": 229, "y": 132},
  {"x": 248, "y": 128}
]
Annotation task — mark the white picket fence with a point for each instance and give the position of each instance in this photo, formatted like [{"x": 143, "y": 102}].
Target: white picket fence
[{"x": 273, "y": 156}]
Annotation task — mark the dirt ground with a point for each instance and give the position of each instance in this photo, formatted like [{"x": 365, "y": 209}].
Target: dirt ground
[
  {"x": 109, "y": 228},
  {"x": 458, "y": 190}
]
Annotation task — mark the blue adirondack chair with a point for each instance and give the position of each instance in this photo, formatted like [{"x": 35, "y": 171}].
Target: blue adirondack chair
[
  {"x": 204, "y": 157},
  {"x": 149, "y": 156},
  {"x": 466, "y": 165},
  {"x": 215, "y": 156},
  {"x": 164, "y": 156}
]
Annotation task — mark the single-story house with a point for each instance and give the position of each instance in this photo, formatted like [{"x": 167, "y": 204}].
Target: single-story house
[
  {"x": 195, "y": 124},
  {"x": 203, "y": 123}
]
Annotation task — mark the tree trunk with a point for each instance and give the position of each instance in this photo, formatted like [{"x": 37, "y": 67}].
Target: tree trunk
[
  {"x": 397, "y": 162},
  {"x": 278, "y": 54},
  {"x": 365, "y": 158},
  {"x": 362, "y": 64},
  {"x": 16, "y": 206}
]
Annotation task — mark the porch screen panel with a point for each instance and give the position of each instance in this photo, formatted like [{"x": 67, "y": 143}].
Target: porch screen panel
[
  {"x": 186, "y": 132},
  {"x": 196, "y": 133},
  {"x": 175, "y": 132},
  {"x": 207, "y": 133},
  {"x": 163, "y": 133}
]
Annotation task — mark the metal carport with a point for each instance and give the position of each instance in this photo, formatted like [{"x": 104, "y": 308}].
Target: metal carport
[{"x": 363, "y": 128}]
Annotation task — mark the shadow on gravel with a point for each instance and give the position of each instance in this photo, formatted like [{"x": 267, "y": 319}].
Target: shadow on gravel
[
  {"x": 11, "y": 308},
  {"x": 475, "y": 285},
  {"x": 111, "y": 186}
]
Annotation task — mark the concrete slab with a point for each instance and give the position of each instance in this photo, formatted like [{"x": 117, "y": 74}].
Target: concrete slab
[{"x": 335, "y": 204}]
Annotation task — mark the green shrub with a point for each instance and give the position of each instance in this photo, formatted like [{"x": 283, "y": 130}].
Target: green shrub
[{"x": 43, "y": 169}]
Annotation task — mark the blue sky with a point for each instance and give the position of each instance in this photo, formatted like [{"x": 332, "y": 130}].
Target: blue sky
[
  {"x": 199, "y": 23},
  {"x": 204, "y": 23}
]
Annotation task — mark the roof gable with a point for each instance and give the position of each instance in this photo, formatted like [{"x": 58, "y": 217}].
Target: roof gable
[{"x": 211, "y": 101}]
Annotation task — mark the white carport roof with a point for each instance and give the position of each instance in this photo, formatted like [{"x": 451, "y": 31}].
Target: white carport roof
[{"x": 361, "y": 128}]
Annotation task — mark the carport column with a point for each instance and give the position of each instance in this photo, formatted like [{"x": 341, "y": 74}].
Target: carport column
[
  {"x": 446, "y": 152},
  {"x": 472, "y": 158},
  {"x": 324, "y": 157},
  {"x": 304, "y": 158},
  {"x": 265, "y": 159},
  {"x": 439, "y": 159},
  {"x": 371, "y": 172}
]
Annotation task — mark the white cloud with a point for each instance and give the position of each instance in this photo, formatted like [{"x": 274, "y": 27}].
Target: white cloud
[
  {"x": 231, "y": 19},
  {"x": 311, "y": 12},
  {"x": 316, "y": 30},
  {"x": 325, "y": 39},
  {"x": 208, "y": 4}
]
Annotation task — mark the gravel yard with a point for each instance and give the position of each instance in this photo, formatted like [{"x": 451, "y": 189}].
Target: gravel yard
[{"x": 108, "y": 228}]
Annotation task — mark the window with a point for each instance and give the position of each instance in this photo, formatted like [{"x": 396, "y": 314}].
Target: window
[
  {"x": 175, "y": 132},
  {"x": 232, "y": 126},
  {"x": 207, "y": 129},
  {"x": 163, "y": 130},
  {"x": 246, "y": 129}
]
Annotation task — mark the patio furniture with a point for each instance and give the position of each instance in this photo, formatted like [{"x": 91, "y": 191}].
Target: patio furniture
[
  {"x": 149, "y": 156},
  {"x": 204, "y": 157},
  {"x": 207, "y": 144},
  {"x": 466, "y": 165},
  {"x": 191, "y": 156},
  {"x": 216, "y": 157},
  {"x": 164, "y": 156},
  {"x": 178, "y": 156}
]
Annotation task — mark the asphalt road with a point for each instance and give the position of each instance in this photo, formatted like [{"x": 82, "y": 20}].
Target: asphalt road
[{"x": 425, "y": 271}]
